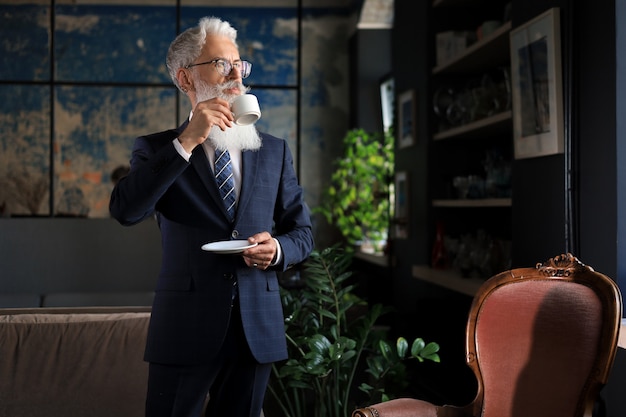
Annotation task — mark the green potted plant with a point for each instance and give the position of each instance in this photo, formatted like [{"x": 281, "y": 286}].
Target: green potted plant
[
  {"x": 333, "y": 342},
  {"x": 357, "y": 201}
]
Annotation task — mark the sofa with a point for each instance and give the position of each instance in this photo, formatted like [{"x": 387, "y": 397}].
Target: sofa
[{"x": 73, "y": 362}]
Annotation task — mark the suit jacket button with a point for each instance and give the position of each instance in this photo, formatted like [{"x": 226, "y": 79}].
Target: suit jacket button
[{"x": 235, "y": 234}]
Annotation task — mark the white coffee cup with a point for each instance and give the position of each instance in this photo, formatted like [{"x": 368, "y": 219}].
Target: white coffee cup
[{"x": 246, "y": 109}]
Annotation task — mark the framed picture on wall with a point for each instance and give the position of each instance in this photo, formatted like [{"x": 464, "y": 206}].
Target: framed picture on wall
[
  {"x": 401, "y": 205},
  {"x": 387, "y": 95},
  {"x": 406, "y": 119},
  {"x": 537, "y": 90}
]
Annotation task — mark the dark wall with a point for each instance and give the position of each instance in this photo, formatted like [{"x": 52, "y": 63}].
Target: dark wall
[
  {"x": 595, "y": 56},
  {"x": 412, "y": 62},
  {"x": 43, "y": 255},
  {"x": 370, "y": 54}
]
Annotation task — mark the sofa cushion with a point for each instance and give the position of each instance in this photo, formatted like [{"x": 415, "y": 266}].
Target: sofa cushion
[{"x": 73, "y": 363}]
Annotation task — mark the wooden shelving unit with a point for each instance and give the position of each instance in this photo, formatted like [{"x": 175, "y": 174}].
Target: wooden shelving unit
[{"x": 466, "y": 143}]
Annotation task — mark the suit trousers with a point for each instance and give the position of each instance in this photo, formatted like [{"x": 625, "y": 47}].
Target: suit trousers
[{"x": 234, "y": 383}]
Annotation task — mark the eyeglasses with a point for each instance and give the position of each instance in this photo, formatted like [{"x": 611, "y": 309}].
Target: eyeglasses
[{"x": 224, "y": 67}]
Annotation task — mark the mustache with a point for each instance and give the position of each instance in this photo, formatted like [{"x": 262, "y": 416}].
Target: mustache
[
  {"x": 205, "y": 91},
  {"x": 230, "y": 85}
]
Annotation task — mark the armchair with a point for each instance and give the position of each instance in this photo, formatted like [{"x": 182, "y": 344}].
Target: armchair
[{"x": 541, "y": 342}]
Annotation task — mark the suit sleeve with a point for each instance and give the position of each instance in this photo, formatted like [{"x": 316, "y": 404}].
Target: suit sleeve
[
  {"x": 292, "y": 217},
  {"x": 152, "y": 172}
]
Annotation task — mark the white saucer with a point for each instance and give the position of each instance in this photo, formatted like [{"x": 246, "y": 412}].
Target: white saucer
[{"x": 228, "y": 246}]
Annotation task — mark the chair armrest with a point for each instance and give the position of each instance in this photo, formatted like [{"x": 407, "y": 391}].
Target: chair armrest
[
  {"x": 400, "y": 407},
  {"x": 365, "y": 412}
]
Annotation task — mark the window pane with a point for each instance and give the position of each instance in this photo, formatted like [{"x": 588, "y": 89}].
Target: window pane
[
  {"x": 95, "y": 131},
  {"x": 113, "y": 43},
  {"x": 25, "y": 150}
]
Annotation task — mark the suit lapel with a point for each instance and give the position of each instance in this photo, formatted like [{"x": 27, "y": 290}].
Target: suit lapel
[
  {"x": 200, "y": 162},
  {"x": 249, "y": 167}
]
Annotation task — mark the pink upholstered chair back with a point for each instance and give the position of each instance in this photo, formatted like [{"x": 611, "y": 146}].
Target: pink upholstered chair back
[{"x": 542, "y": 340}]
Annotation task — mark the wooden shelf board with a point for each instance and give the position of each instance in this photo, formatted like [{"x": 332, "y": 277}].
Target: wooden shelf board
[
  {"x": 489, "y": 52},
  {"x": 478, "y": 202},
  {"x": 380, "y": 260},
  {"x": 493, "y": 123},
  {"x": 445, "y": 3},
  {"x": 447, "y": 278}
]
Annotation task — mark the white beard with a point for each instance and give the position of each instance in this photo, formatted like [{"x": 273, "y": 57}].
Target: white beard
[{"x": 237, "y": 137}]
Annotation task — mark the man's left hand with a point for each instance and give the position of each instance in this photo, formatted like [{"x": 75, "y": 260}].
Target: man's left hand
[{"x": 262, "y": 255}]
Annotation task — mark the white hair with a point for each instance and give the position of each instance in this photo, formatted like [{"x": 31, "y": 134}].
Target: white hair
[{"x": 188, "y": 45}]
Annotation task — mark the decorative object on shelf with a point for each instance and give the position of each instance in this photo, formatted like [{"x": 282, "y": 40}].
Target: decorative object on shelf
[
  {"x": 487, "y": 28},
  {"x": 443, "y": 98},
  {"x": 358, "y": 199},
  {"x": 461, "y": 185},
  {"x": 462, "y": 109},
  {"x": 478, "y": 98},
  {"x": 497, "y": 174},
  {"x": 470, "y": 186},
  {"x": 536, "y": 86},
  {"x": 479, "y": 255},
  {"x": 439, "y": 258},
  {"x": 406, "y": 119},
  {"x": 451, "y": 44},
  {"x": 401, "y": 205}
]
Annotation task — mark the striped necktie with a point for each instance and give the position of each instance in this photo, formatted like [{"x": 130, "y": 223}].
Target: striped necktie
[{"x": 225, "y": 181}]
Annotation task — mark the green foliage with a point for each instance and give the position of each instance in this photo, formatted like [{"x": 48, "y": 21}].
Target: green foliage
[
  {"x": 331, "y": 336},
  {"x": 357, "y": 199}
]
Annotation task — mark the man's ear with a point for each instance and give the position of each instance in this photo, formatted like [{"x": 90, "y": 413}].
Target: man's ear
[{"x": 184, "y": 79}]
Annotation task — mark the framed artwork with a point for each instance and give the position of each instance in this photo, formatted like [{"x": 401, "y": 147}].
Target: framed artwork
[
  {"x": 401, "y": 205},
  {"x": 537, "y": 89},
  {"x": 406, "y": 119},
  {"x": 387, "y": 94}
]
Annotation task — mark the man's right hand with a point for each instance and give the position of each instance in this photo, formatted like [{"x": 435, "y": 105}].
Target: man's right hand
[{"x": 206, "y": 114}]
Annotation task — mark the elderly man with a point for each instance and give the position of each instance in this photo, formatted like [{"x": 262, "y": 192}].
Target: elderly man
[{"x": 217, "y": 321}]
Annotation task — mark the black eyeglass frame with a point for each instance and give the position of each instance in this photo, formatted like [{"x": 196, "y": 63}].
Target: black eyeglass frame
[{"x": 246, "y": 66}]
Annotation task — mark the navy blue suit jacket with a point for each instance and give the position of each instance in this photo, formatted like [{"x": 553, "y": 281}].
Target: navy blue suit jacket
[{"x": 192, "y": 303}]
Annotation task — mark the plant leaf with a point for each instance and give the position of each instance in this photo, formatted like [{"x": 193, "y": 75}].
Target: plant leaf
[
  {"x": 402, "y": 346},
  {"x": 416, "y": 348}
]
